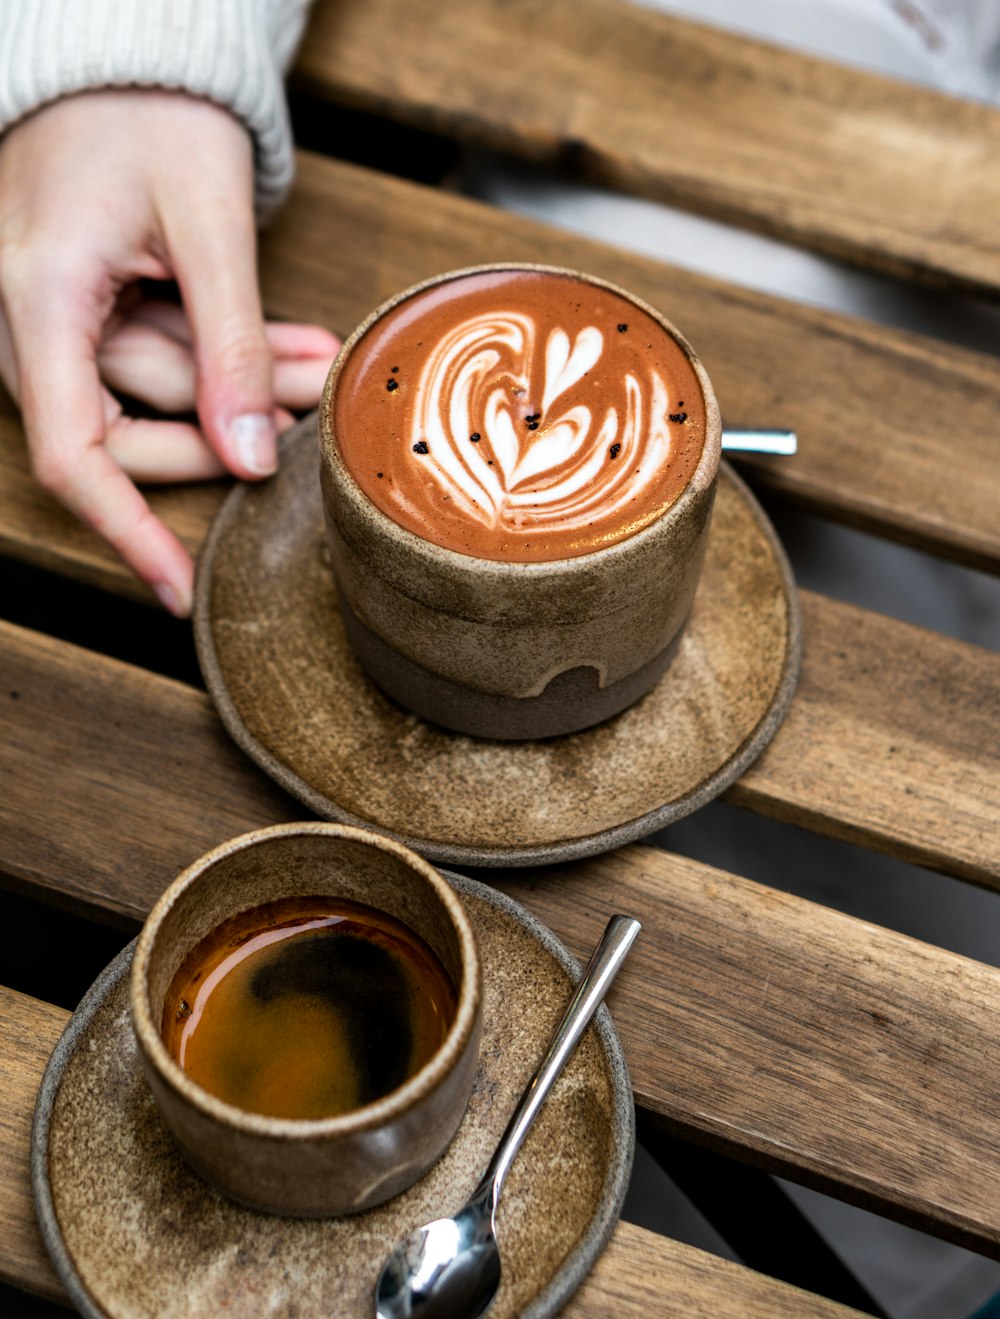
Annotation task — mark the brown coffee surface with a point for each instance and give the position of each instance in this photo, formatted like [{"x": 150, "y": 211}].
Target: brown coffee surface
[
  {"x": 519, "y": 415},
  {"x": 307, "y": 1007}
]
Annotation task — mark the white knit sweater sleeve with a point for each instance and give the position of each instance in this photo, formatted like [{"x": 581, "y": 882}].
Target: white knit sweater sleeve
[{"x": 233, "y": 52}]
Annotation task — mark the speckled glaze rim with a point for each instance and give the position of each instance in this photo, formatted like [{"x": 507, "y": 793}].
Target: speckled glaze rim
[
  {"x": 448, "y": 852},
  {"x": 374, "y": 1115},
  {"x": 577, "y": 1264},
  {"x": 491, "y": 570}
]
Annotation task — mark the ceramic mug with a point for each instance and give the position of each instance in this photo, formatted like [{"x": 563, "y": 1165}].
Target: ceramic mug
[
  {"x": 354, "y": 1160},
  {"x": 513, "y": 649}
]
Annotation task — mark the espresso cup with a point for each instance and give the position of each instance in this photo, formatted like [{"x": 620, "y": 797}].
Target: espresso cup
[
  {"x": 518, "y": 465},
  {"x": 319, "y": 1166}
]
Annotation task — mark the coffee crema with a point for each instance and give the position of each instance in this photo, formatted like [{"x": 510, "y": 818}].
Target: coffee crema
[
  {"x": 307, "y": 1007},
  {"x": 519, "y": 415}
]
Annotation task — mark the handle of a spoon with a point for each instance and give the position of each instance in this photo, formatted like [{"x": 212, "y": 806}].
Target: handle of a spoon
[
  {"x": 759, "y": 441},
  {"x": 602, "y": 968}
]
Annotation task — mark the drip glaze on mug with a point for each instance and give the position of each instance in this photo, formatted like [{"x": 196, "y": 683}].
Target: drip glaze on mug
[{"x": 520, "y": 415}]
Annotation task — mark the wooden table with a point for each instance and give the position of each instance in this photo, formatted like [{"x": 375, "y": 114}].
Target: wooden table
[{"x": 788, "y": 1036}]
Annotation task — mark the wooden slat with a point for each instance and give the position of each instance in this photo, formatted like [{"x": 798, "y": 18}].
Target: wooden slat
[
  {"x": 640, "y": 1273},
  {"x": 646, "y": 1274},
  {"x": 28, "y": 1033},
  {"x": 872, "y": 169},
  {"x": 890, "y": 741},
  {"x": 880, "y": 415},
  {"x": 839, "y": 1054},
  {"x": 65, "y": 701},
  {"x": 845, "y": 1056}
]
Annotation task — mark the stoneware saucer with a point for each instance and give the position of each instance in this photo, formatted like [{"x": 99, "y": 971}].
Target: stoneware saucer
[
  {"x": 277, "y": 663},
  {"x": 134, "y": 1234}
]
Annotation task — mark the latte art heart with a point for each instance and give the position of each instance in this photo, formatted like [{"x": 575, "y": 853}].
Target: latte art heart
[
  {"x": 516, "y": 416},
  {"x": 543, "y": 472}
]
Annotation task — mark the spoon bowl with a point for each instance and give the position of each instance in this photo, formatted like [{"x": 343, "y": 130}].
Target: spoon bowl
[{"x": 452, "y": 1265}]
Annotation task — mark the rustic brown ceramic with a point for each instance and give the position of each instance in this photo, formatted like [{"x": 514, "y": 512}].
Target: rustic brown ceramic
[
  {"x": 514, "y": 650},
  {"x": 134, "y": 1234},
  {"x": 278, "y": 665},
  {"x": 354, "y": 1160}
]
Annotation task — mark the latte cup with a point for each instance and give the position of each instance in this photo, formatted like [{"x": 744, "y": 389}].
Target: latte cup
[{"x": 497, "y": 644}]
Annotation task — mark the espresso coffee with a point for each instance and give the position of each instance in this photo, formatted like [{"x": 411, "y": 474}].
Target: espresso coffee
[
  {"x": 307, "y": 1007},
  {"x": 520, "y": 415}
]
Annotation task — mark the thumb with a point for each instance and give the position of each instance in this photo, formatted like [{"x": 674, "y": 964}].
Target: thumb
[{"x": 214, "y": 259}]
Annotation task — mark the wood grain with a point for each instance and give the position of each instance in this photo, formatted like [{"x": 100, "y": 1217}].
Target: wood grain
[
  {"x": 842, "y": 1055},
  {"x": 875, "y": 170},
  {"x": 891, "y": 742},
  {"x": 650, "y": 1275},
  {"x": 879, "y": 413},
  {"x": 108, "y": 737},
  {"x": 29, "y": 1030},
  {"x": 640, "y": 1273}
]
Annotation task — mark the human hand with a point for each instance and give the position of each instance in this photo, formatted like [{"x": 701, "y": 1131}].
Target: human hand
[{"x": 97, "y": 192}]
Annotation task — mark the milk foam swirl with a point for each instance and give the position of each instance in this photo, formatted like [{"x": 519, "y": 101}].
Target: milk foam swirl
[
  {"x": 576, "y": 464},
  {"x": 519, "y": 415}
]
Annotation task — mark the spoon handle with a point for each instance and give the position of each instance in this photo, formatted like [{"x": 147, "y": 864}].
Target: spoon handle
[
  {"x": 602, "y": 968},
  {"x": 759, "y": 441}
]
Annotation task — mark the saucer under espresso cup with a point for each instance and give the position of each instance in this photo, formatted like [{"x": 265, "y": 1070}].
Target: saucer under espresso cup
[
  {"x": 320, "y": 1165},
  {"x": 519, "y": 464},
  {"x": 133, "y": 1233}
]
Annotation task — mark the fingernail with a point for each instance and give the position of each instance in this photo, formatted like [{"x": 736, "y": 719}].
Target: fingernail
[
  {"x": 170, "y": 600},
  {"x": 253, "y": 437}
]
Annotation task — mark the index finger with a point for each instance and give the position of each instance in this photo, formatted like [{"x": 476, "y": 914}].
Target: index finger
[
  {"x": 91, "y": 484},
  {"x": 63, "y": 405}
]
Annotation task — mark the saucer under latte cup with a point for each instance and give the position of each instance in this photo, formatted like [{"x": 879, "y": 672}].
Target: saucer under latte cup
[
  {"x": 354, "y": 1159},
  {"x": 503, "y": 647}
]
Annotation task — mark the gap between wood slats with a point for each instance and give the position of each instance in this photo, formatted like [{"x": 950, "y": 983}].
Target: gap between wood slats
[
  {"x": 868, "y": 168},
  {"x": 639, "y": 1273},
  {"x": 842, "y": 1055},
  {"x": 879, "y": 413}
]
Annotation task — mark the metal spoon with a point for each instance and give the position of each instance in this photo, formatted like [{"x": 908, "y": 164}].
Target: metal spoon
[
  {"x": 759, "y": 441},
  {"x": 450, "y": 1269}
]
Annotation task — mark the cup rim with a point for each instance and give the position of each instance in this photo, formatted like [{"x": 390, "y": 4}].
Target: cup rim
[
  {"x": 457, "y": 561},
  {"x": 369, "y": 1116}
]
